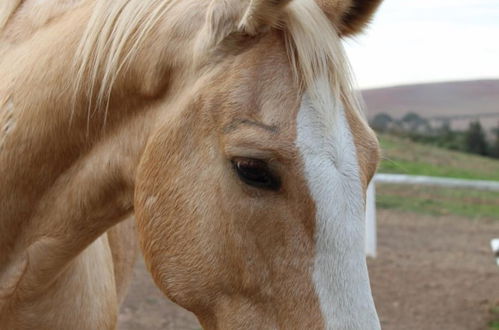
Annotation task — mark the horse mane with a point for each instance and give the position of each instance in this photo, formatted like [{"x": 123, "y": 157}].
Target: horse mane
[
  {"x": 110, "y": 42},
  {"x": 319, "y": 61},
  {"x": 7, "y": 8},
  {"x": 116, "y": 29}
]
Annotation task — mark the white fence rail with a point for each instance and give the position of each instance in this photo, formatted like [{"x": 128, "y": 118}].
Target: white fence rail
[
  {"x": 412, "y": 180},
  {"x": 435, "y": 181}
]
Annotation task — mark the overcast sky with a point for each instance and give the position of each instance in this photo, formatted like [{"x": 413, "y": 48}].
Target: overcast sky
[{"x": 428, "y": 40}]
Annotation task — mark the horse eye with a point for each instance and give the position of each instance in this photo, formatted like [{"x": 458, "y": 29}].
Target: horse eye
[{"x": 255, "y": 172}]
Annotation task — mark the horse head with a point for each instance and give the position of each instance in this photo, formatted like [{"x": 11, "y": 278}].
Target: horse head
[{"x": 250, "y": 192}]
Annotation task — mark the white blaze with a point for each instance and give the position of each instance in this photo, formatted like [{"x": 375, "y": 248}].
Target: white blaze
[{"x": 332, "y": 172}]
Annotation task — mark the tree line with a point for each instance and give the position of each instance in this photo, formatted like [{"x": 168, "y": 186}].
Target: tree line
[{"x": 473, "y": 140}]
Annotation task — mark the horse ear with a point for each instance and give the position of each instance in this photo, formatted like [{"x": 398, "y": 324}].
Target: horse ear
[
  {"x": 261, "y": 14},
  {"x": 349, "y": 16},
  {"x": 250, "y": 17}
]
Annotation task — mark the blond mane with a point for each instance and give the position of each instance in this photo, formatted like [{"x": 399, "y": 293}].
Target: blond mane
[
  {"x": 110, "y": 41},
  {"x": 116, "y": 29},
  {"x": 318, "y": 58},
  {"x": 7, "y": 8}
]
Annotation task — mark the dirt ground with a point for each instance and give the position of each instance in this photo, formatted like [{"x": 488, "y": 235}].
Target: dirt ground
[{"x": 430, "y": 273}]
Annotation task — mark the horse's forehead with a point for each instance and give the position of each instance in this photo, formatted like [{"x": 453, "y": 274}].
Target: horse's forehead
[
  {"x": 266, "y": 69},
  {"x": 259, "y": 84}
]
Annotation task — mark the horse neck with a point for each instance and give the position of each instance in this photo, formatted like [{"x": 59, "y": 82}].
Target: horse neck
[{"x": 54, "y": 137}]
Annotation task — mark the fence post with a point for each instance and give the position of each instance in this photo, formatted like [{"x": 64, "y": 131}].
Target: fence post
[{"x": 371, "y": 220}]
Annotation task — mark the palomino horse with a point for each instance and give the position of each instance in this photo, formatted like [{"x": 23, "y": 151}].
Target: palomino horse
[{"x": 228, "y": 128}]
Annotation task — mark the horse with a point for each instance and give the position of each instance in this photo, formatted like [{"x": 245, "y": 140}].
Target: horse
[{"x": 221, "y": 138}]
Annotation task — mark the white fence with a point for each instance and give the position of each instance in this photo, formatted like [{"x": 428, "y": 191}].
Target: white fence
[{"x": 412, "y": 180}]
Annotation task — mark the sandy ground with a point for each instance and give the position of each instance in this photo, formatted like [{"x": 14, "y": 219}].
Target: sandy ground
[{"x": 431, "y": 273}]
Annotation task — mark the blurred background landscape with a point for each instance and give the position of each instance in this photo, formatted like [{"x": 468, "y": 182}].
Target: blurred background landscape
[
  {"x": 430, "y": 78},
  {"x": 429, "y": 75},
  {"x": 434, "y": 268},
  {"x": 438, "y": 129}
]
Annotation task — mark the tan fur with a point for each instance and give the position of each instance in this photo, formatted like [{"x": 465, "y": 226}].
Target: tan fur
[
  {"x": 150, "y": 129},
  {"x": 123, "y": 244}
]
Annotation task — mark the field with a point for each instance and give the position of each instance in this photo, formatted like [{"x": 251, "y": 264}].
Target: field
[
  {"x": 406, "y": 157},
  {"x": 434, "y": 269},
  {"x": 473, "y": 208}
]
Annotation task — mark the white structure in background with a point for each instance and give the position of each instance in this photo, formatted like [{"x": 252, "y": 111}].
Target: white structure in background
[
  {"x": 435, "y": 181},
  {"x": 416, "y": 180},
  {"x": 495, "y": 248},
  {"x": 371, "y": 220}
]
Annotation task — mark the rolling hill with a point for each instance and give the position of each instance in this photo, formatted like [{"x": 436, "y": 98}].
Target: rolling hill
[{"x": 463, "y": 100}]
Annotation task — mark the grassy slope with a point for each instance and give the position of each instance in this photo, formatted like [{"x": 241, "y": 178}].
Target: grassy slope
[{"x": 406, "y": 157}]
